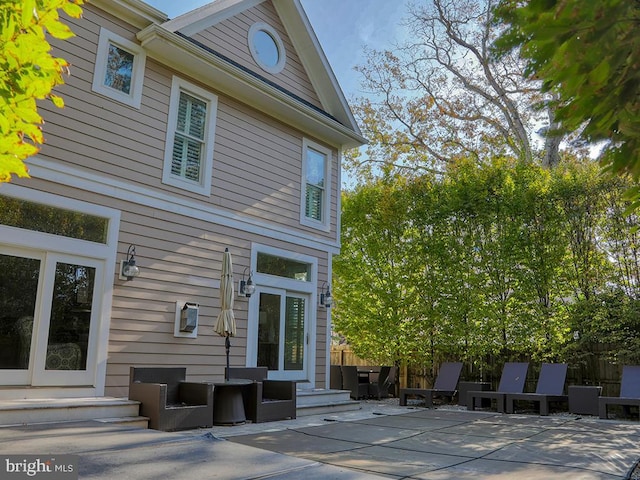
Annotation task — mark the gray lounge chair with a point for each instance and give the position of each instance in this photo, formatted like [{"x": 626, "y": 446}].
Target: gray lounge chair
[
  {"x": 549, "y": 389},
  {"x": 629, "y": 391},
  {"x": 445, "y": 385},
  {"x": 514, "y": 375}
]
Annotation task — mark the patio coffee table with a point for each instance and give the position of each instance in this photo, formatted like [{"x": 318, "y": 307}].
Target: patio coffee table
[
  {"x": 583, "y": 399},
  {"x": 464, "y": 387},
  {"x": 228, "y": 405}
]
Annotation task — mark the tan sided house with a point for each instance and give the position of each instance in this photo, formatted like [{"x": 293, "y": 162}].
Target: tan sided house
[{"x": 222, "y": 128}]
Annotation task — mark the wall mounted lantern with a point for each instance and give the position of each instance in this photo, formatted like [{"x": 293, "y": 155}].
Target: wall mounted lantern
[
  {"x": 128, "y": 267},
  {"x": 246, "y": 289},
  {"x": 326, "y": 300},
  {"x": 189, "y": 317}
]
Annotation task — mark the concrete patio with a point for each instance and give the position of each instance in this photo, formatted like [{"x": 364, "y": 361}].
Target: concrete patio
[{"x": 381, "y": 440}]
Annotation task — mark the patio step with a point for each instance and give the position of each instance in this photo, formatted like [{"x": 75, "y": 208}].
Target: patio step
[
  {"x": 321, "y": 401},
  {"x": 49, "y": 410},
  {"x": 139, "y": 422}
]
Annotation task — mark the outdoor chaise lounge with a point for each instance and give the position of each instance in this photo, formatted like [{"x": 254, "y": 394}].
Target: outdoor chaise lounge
[
  {"x": 168, "y": 401},
  {"x": 629, "y": 391},
  {"x": 549, "y": 389},
  {"x": 514, "y": 375},
  {"x": 266, "y": 400},
  {"x": 445, "y": 385}
]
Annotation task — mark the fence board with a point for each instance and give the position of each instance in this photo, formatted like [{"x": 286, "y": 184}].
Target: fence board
[{"x": 594, "y": 369}]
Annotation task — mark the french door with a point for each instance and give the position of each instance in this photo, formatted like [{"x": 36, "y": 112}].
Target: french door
[
  {"x": 282, "y": 333},
  {"x": 49, "y": 312}
]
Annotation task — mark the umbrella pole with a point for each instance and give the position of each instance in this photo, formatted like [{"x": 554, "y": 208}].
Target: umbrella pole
[{"x": 227, "y": 345}]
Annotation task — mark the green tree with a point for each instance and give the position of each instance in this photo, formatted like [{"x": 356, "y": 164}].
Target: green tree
[
  {"x": 375, "y": 274},
  {"x": 28, "y": 72},
  {"x": 587, "y": 55},
  {"x": 501, "y": 259}
]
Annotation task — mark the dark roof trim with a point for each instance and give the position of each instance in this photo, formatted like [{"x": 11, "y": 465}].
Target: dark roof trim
[{"x": 259, "y": 77}]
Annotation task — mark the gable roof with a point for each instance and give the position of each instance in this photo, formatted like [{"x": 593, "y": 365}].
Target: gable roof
[{"x": 170, "y": 43}]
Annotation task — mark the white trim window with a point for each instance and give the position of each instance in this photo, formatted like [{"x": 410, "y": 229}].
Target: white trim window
[
  {"x": 266, "y": 47},
  {"x": 188, "y": 159},
  {"x": 316, "y": 185},
  {"x": 119, "y": 69}
]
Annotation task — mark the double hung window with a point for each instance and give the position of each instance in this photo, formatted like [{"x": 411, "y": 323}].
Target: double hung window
[
  {"x": 315, "y": 185},
  {"x": 190, "y": 137}
]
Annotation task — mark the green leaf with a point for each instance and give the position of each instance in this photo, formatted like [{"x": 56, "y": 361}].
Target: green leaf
[
  {"x": 57, "y": 101},
  {"x": 28, "y": 11},
  {"x": 600, "y": 74}
]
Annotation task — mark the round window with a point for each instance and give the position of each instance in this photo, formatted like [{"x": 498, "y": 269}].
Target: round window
[{"x": 266, "y": 47}]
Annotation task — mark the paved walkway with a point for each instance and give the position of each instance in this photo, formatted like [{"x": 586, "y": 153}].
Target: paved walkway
[{"x": 379, "y": 441}]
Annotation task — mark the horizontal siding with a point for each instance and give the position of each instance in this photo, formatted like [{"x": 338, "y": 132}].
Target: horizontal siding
[
  {"x": 98, "y": 133},
  {"x": 256, "y": 173},
  {"x": 180, "y": 259},
  {"x": 229, "y": 38},
  {"x": 257, "y": 160}
]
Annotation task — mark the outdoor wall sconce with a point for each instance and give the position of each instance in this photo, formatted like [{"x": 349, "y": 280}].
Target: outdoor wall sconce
[
  {"x": 189, "y": 317},
  {"x": 128, "y": 267},
  {"x": 326, "y": 300},
  {"x": 246, "y": 289}
]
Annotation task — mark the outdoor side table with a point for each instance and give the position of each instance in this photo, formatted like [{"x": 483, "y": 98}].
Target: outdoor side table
[
  {"x": 228, "y": 405},
  {"x": 464, "y": 387},
  {"x": 583, "y": 399}
]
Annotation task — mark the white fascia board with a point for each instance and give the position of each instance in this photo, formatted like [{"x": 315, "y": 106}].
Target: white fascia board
[
  {"x": 135, "y": 12},
  {"x": 208, "y": 15},
  {"x": 191, "y": 60},
  {"x": 315, "y": 62}
]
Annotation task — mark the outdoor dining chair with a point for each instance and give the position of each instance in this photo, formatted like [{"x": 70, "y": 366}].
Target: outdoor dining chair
[
  {"x": 629, "y": 391},
  {"x": 445, "y": 385},
  {"x": 351, "y": 381},
  {"x": 335, "y": 377},
  {"x": 380, "y": 387},
  {"x": 514, "y": 375},
  {"x": 549, "y": 389}
]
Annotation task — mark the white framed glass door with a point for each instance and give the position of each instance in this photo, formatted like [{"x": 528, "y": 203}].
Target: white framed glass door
[
  {"x": 282, "y": 333},
  {"x": 50, "y": 304},
  {"x": 21, "y": 277}
]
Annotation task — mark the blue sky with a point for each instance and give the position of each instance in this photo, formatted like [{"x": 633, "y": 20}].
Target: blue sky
[{"x": 343, "y": 28}]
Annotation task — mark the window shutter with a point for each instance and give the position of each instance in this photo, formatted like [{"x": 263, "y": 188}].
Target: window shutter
[
  {"x": 313, "y": 207},
  {"x": 188, "y": 142}
]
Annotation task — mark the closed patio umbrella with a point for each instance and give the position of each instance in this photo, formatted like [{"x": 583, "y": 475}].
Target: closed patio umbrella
[{"x": 226, "y": 323}]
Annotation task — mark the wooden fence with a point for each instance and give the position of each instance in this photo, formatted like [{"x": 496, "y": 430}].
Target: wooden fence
[{"x": 593, "y": 369}]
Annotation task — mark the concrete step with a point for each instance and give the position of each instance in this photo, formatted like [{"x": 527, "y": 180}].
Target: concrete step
[
  {"x": 332, "y": 408},
  {"x": 321, "y": 397},
  {"x": 30, "y": 411},
  {"x": 321, "y": 401},
  {"x": 138, "y": 422}
]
